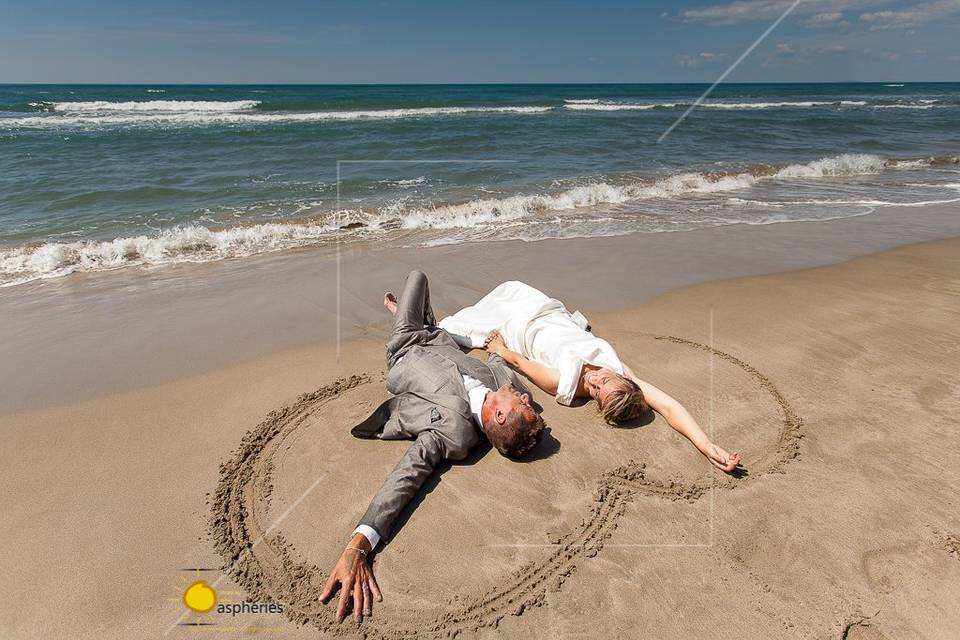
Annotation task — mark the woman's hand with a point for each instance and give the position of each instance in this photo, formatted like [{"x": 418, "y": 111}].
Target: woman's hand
[
  {"x": 495, "y": 344},
  {"x": 722, "y": 460}
]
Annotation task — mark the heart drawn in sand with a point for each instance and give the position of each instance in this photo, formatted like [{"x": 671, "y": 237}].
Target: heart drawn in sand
[{"x": 267, "y": 567}]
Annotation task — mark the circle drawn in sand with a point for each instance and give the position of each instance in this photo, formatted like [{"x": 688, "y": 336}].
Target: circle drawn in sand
[{"x": 260, "y": 560}]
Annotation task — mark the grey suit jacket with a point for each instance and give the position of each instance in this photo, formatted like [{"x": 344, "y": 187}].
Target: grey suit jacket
[{"x": 430, "y": 406}]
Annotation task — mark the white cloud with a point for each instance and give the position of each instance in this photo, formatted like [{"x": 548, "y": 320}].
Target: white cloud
[
  {"x": 741, "y": 11},
  {"x": 704, "y": 57},
  {"x": 785, "y": 53},
  {"x": 826, "y": 20},
  {"x": 912, "y": 16}
]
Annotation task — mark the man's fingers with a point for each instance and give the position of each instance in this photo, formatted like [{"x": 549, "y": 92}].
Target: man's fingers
[
  {"x": 375, "y": 588},
  {"x": 367, "y": 598},
  {"x": 345, "y": 588},
  {"x": 358, "y": 600},
  {"x": 328, "y": 588}
]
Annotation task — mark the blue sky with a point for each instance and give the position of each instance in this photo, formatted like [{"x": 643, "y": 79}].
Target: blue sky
[{"x": 534, "y": 41}]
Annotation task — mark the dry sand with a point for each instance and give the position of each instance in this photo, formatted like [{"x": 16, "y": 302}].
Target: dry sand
[{"x": 839, "y": 386}]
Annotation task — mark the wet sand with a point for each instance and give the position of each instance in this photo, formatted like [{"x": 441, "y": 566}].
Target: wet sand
[
  {"x": 838, "y": 384},
  {"x": 85, "y": 335}
]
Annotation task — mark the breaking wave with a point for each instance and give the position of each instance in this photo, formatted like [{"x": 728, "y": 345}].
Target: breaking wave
[
  {"x": 600, "y": 105},
  {"x": 100, "y": 106},
  {"x": 225, "y": 113},
  {"x": 196, "y": 243}
]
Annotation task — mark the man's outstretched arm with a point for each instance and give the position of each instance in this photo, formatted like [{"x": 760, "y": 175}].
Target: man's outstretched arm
[{"x": 352, "y": 572}]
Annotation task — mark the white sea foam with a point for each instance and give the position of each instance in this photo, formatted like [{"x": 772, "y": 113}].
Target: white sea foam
[
  {"x": 498, "y": 210},
  {"x": 200, "y": 244},
  {"x": 613, "y": 106},
  {"x": 101, "y": 106},
  {"x": 180, "y": 244},
  {"x": 598, "y": 105},
  {"x": 201, "y": 117},
  {"x": 893, "y": 85},
  {"x": 849, "y": 164},
  {"x": 156, "y": 90},
  {"x": 781, "y": 105},
  {"x": 904, "y": 106}
]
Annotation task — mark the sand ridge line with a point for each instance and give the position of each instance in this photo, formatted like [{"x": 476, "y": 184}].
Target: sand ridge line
[
  {"x": 272, "y": 572},
  {"x": 788, "y": 446}
]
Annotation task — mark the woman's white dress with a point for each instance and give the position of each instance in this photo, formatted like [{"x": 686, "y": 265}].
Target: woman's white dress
[{"x": 539, "y": 328}]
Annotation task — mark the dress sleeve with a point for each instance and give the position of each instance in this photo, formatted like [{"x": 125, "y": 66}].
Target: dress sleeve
[{"x": 569, "y": 368}]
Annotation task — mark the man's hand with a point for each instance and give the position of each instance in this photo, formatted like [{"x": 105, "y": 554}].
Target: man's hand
[
  {"x": 356, "y": 580},
  {"x": 721, "y": 459}
]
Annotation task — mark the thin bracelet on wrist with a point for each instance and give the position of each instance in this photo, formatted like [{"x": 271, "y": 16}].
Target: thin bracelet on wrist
[{"x": 362, "y": 551}]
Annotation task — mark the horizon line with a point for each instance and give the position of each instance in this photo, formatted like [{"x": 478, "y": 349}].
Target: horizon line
[{"x": 456, "y": 84}]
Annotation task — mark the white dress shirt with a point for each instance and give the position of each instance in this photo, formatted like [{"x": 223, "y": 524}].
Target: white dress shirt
[{"x": 476, "y": 394}]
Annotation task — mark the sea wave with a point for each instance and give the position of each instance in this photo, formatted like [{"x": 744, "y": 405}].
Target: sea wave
[
  {"x": 194, "y": 243},
  {"x": 848, "y": 164},
  {"x": 905, "y": 106},
  {"x": 601, "y": 105},
  {"x": 779, "y": 105},
  {"x": 615, "y": 106},
  {"x": 211, "y": 116},
  {"x": 101, "y": 106},
  {"x": 197, "y": 243}
]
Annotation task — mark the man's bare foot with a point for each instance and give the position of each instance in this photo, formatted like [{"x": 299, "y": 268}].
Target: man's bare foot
[{"x": 390, "y": 302}]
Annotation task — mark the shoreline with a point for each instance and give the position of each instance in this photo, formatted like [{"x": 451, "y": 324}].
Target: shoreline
[
  {"x": 93, "y": 334},
  {"x": 118, "y": 489}
]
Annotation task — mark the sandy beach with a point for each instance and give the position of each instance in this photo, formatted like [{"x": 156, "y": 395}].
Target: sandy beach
[{"x": 837, "y": 383}]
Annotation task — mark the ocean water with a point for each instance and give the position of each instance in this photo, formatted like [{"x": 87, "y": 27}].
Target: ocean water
[{"x": 96, "y": 178}]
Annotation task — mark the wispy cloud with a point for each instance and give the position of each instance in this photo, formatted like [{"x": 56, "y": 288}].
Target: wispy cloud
[
  {"x": 698, "y": 59},
  {"x": 826, "y": 20},
  {"x": 741, "y": 11},
  {"x": 912, "y": 16},
  {"x": 786, "y": 51}
]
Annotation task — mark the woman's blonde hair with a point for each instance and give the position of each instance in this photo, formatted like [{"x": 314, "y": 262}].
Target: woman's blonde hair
[{"x": 624, "y": 403}]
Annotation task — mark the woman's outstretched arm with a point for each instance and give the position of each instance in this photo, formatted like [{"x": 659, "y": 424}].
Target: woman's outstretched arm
[
  {"x": 541, "y": 375},
  {"x": 682, "y": 422}
]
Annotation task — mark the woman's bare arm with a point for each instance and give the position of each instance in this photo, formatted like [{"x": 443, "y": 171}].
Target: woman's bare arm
[
  {"x": 682, "y": 422},
  {"x": 541, "y": 375}
]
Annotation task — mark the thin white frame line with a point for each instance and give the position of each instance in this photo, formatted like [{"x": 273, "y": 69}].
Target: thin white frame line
[
  {"x": 263, "y": 535},
  {"x": 339, "y": 210},
  {"x": 733, "y": 66},
  {"x": 713, "y": 473},
  {"x": 337, "y": 221}
]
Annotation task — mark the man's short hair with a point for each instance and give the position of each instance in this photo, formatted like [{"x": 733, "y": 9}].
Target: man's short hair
[{"x": 518, "y": 435}]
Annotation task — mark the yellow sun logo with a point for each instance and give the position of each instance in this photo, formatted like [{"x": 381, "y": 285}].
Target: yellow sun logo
[{"x": 200, "y": 597}]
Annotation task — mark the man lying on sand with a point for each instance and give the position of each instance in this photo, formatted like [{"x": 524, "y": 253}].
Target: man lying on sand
[{"x": 445, "y": 400}]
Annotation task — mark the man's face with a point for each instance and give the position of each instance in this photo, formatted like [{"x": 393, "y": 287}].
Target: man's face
[{"x": 508, "y": 398}]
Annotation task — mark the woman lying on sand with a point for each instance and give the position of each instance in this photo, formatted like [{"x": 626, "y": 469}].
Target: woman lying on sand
[{"x": 536, "y": 335}]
